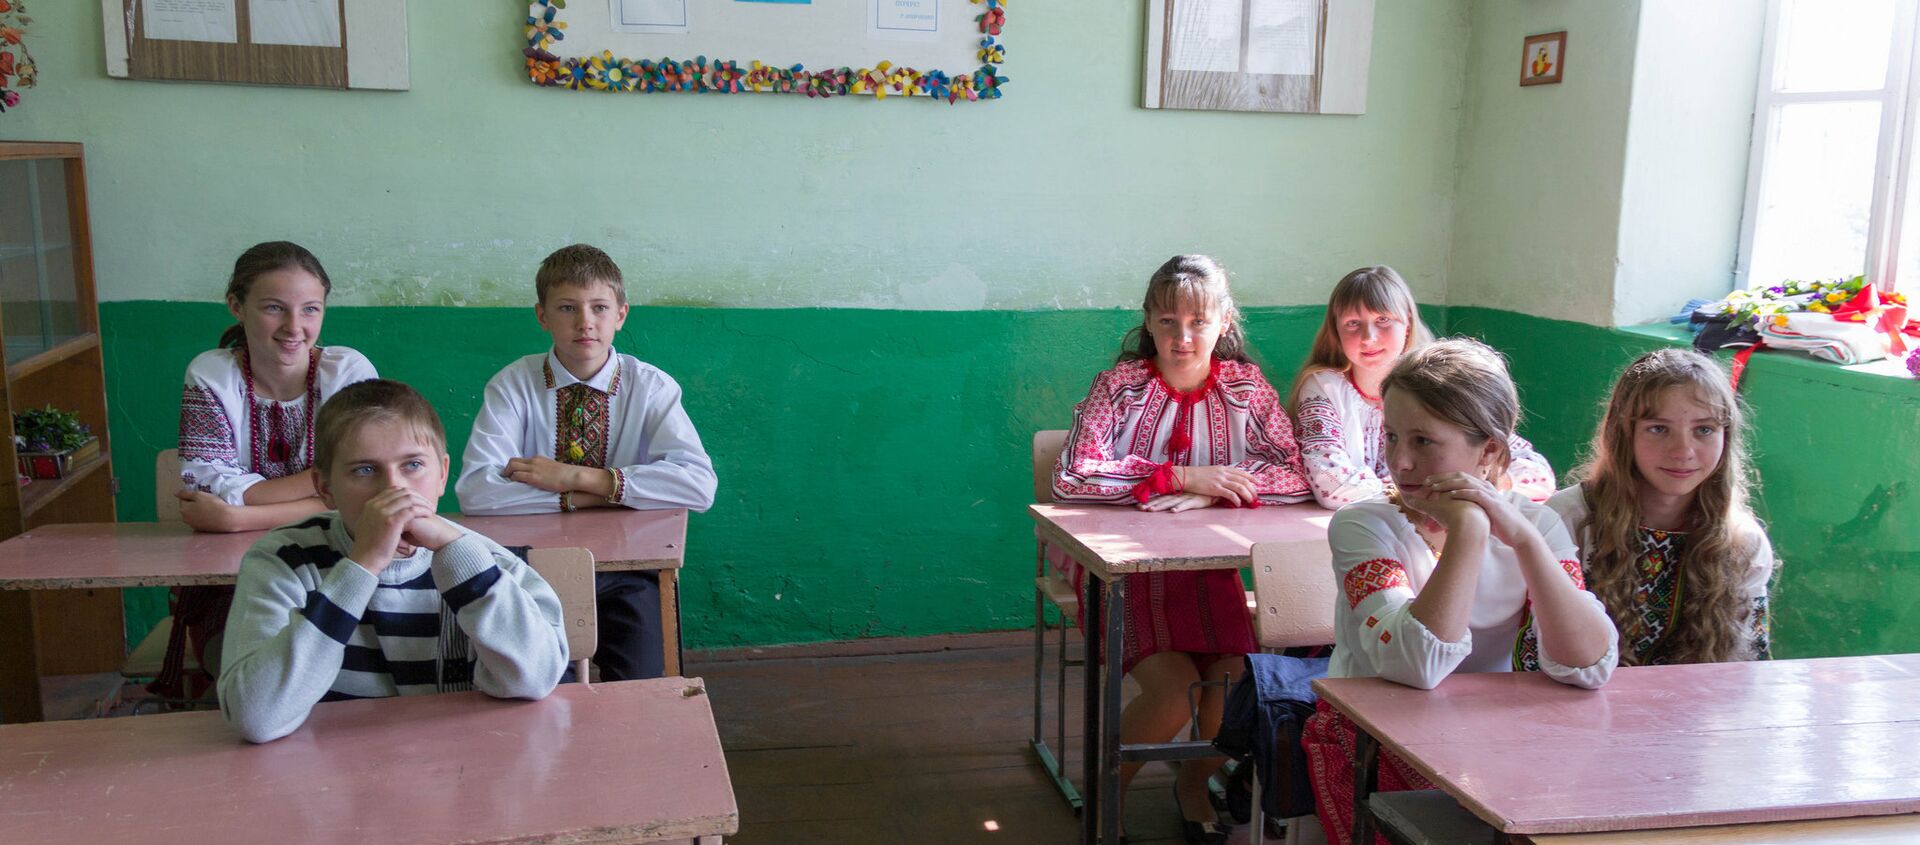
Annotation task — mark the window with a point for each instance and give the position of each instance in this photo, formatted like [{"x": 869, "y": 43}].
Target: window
[{"x": 1831, "y": 187}]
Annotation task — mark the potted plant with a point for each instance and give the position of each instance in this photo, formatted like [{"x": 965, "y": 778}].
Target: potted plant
[{"x": 50, "y": 442}]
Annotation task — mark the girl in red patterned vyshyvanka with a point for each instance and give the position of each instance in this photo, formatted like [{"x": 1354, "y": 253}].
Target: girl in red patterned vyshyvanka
[
  {"x": 1443, "y": 576},
  {"x": 1183, "y": 421},
  {"x": 246, "y": 423}
]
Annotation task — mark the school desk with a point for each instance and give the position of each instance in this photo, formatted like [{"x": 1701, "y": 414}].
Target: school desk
[
  {"x": 626, "y": 761},
  {"x": 143, "y": 554},
  {"x": 1111, "y": 541},
  {"x": 1658, "y": 746}
]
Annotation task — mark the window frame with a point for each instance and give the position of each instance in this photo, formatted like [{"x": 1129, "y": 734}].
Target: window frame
[{"x": 1899, "y": 100}]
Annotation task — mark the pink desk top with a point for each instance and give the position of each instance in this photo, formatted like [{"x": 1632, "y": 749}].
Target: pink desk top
[
  {"x": 1112, "y": 540},
  {"x": 1660, "y": 746},
  {"x": 629, "y": 761},
  {"x": 141, "y": 554}
]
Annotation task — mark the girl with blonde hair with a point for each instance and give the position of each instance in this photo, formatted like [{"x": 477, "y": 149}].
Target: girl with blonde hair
[
  {"x": 1445, "y": 574},
  {"x": 1371, "y": 323},
  {"x": 1667, "y": 536},
  {"x": 1182, "y": 421}
]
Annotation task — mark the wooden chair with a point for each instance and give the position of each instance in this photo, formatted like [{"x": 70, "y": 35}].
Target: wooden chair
[
  {"x": 569, "y": 571},
  {"x": 1051, "y": 588},
  {"x": 146, "y": 658},
  {"x": 1293, "y": 594}
]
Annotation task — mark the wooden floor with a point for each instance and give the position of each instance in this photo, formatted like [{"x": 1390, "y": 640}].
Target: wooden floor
[{"x": 924, "y": 748}]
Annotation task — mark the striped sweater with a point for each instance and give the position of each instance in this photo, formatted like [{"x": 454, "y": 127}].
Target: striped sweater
[{"x": 309, "y": 625}]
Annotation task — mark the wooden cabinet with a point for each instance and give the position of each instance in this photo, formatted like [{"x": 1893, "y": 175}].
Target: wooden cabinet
[{"x": 51, "y": 355}]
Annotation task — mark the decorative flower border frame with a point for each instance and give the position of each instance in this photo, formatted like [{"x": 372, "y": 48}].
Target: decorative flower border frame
[
  {"x": 606, "y": 72},
  {"x": 16, "y": 64}
]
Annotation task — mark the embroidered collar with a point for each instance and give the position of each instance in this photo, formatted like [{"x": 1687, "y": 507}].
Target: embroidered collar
[{"x": 607, "y": 380}]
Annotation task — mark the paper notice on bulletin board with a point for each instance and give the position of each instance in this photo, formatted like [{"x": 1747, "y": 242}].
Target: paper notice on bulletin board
[
  {"x": 301, "y": 23},
  {"x": 659, "y": 17},
  {"x": 190, "y": 20},
  {"x": 903, "y": 20}
]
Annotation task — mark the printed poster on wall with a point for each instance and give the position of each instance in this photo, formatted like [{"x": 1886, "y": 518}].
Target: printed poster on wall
[{"x": 190, "y": 20}]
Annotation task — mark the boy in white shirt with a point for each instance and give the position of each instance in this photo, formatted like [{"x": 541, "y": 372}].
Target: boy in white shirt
[{"x": 583, "y": 426}]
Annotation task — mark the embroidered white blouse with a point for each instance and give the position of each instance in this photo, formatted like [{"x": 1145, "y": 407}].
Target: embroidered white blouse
[
  {"x": 218, "y": 451},
  {"x": 1343, "y": 445},
  {"x": 1381, "y": 563},
  {"x": 648, "y": 437}
]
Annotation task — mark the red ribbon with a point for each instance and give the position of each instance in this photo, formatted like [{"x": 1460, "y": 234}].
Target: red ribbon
[{"x": 1889, "y": 316}]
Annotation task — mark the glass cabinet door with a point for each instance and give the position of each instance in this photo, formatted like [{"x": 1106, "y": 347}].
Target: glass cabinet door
[{"x": 39, "y": 291}]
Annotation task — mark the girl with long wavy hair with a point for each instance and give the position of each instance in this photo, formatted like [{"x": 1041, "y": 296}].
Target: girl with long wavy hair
[{"x": 1667, "y": 535}]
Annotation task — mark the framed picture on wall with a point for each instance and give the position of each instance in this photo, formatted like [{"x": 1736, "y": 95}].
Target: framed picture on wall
[{"x": 1542, "y": 58}]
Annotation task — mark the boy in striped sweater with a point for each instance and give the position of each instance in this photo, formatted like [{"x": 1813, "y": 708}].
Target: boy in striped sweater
[{"x": 380, "y": 596}]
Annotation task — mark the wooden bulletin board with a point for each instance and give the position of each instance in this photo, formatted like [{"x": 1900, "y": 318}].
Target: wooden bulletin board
[
  {"x": 1307, "y": 56},
  {"x": 943, "y": 49},
  {"x": 314, "y": 43}
]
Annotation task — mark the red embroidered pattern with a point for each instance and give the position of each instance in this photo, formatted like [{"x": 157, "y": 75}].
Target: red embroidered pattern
[
  {"x": 1372, "y": 577},
  {"x": 1574, "y": 572},
  {"x": 205, "y": 432},
  {"x": 619, "y": 486}
]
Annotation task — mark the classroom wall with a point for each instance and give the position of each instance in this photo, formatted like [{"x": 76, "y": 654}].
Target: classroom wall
[
  {"x": 1536, "y": 215},
  {"x": 1064, "y": 194},
  {"x": 871, "y": 305}
]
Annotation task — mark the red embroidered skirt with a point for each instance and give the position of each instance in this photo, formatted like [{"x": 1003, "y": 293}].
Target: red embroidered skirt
[
  {"x": 1329, "y": 740},
  {"x": 1193, "y": 612}
]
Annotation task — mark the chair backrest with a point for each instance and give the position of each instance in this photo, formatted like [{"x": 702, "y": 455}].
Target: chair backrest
[
  {"x": 1046, "y": 452},
  {"x": 166, "y": 482},
  {"x": 569, "y": 571},
  {"x": 1294, "y": 592}
]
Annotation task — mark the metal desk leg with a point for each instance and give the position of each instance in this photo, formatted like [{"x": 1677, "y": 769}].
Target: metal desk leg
[
  {"x": 1115, "y": 630},
  {"x": 1366, "y": 771},
  {"x": 1091, "y": 610}
]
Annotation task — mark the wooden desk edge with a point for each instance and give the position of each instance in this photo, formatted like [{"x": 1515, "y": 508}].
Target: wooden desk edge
[
  {"x": 1609, "y": 824},
  {"x": 228, "y": 580},
  {"x": 1486, "y": 814},
  {"x": 1105, "y": 570},
  {"x": 1842, "y": 831}
]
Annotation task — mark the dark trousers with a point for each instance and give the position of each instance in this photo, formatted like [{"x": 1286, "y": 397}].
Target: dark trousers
[{"x": 631, "y": 642}]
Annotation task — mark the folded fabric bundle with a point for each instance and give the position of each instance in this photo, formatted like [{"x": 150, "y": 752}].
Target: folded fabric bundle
[{"x": 1823, "y": 337}]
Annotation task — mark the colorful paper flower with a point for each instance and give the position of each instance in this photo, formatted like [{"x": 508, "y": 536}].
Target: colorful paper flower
[
  {"x": 573, "y": 75},
  {"x": 607, "y": 73},
  {"x": 543, "y": 28},
  {"x": 1913, "y": 363}
]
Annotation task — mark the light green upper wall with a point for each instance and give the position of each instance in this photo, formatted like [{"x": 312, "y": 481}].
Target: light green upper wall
[
  {"x": 1615, "y": 196},
  {"x": 1688, "y": 134},
  {"x": 1537, "y": 213},
  {"x": 1064, "y": 194}
]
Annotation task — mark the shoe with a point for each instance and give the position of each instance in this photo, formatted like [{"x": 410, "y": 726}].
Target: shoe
[
  {"x": 1210, "y": 832},
  {"x": 1205, "y": 833}
]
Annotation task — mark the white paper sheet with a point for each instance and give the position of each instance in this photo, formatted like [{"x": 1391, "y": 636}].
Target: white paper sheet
[
  {"x": 1284, "y": 37},
  {"x": 663, "y": 17},
  {"x": 904, "y": 20},
  {"x": 1206, "y": 35},
  {"x": 302, "y": 23},
  {"x": 190, "y": 20}
]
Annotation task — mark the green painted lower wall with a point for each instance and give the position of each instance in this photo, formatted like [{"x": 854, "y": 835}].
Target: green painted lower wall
[
  {"x": 874, "y": 464},
  {"x": 1836, "y": 453}
]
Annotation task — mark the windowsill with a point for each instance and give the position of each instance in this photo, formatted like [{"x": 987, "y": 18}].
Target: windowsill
[{"x": 1887, "y": 375}]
